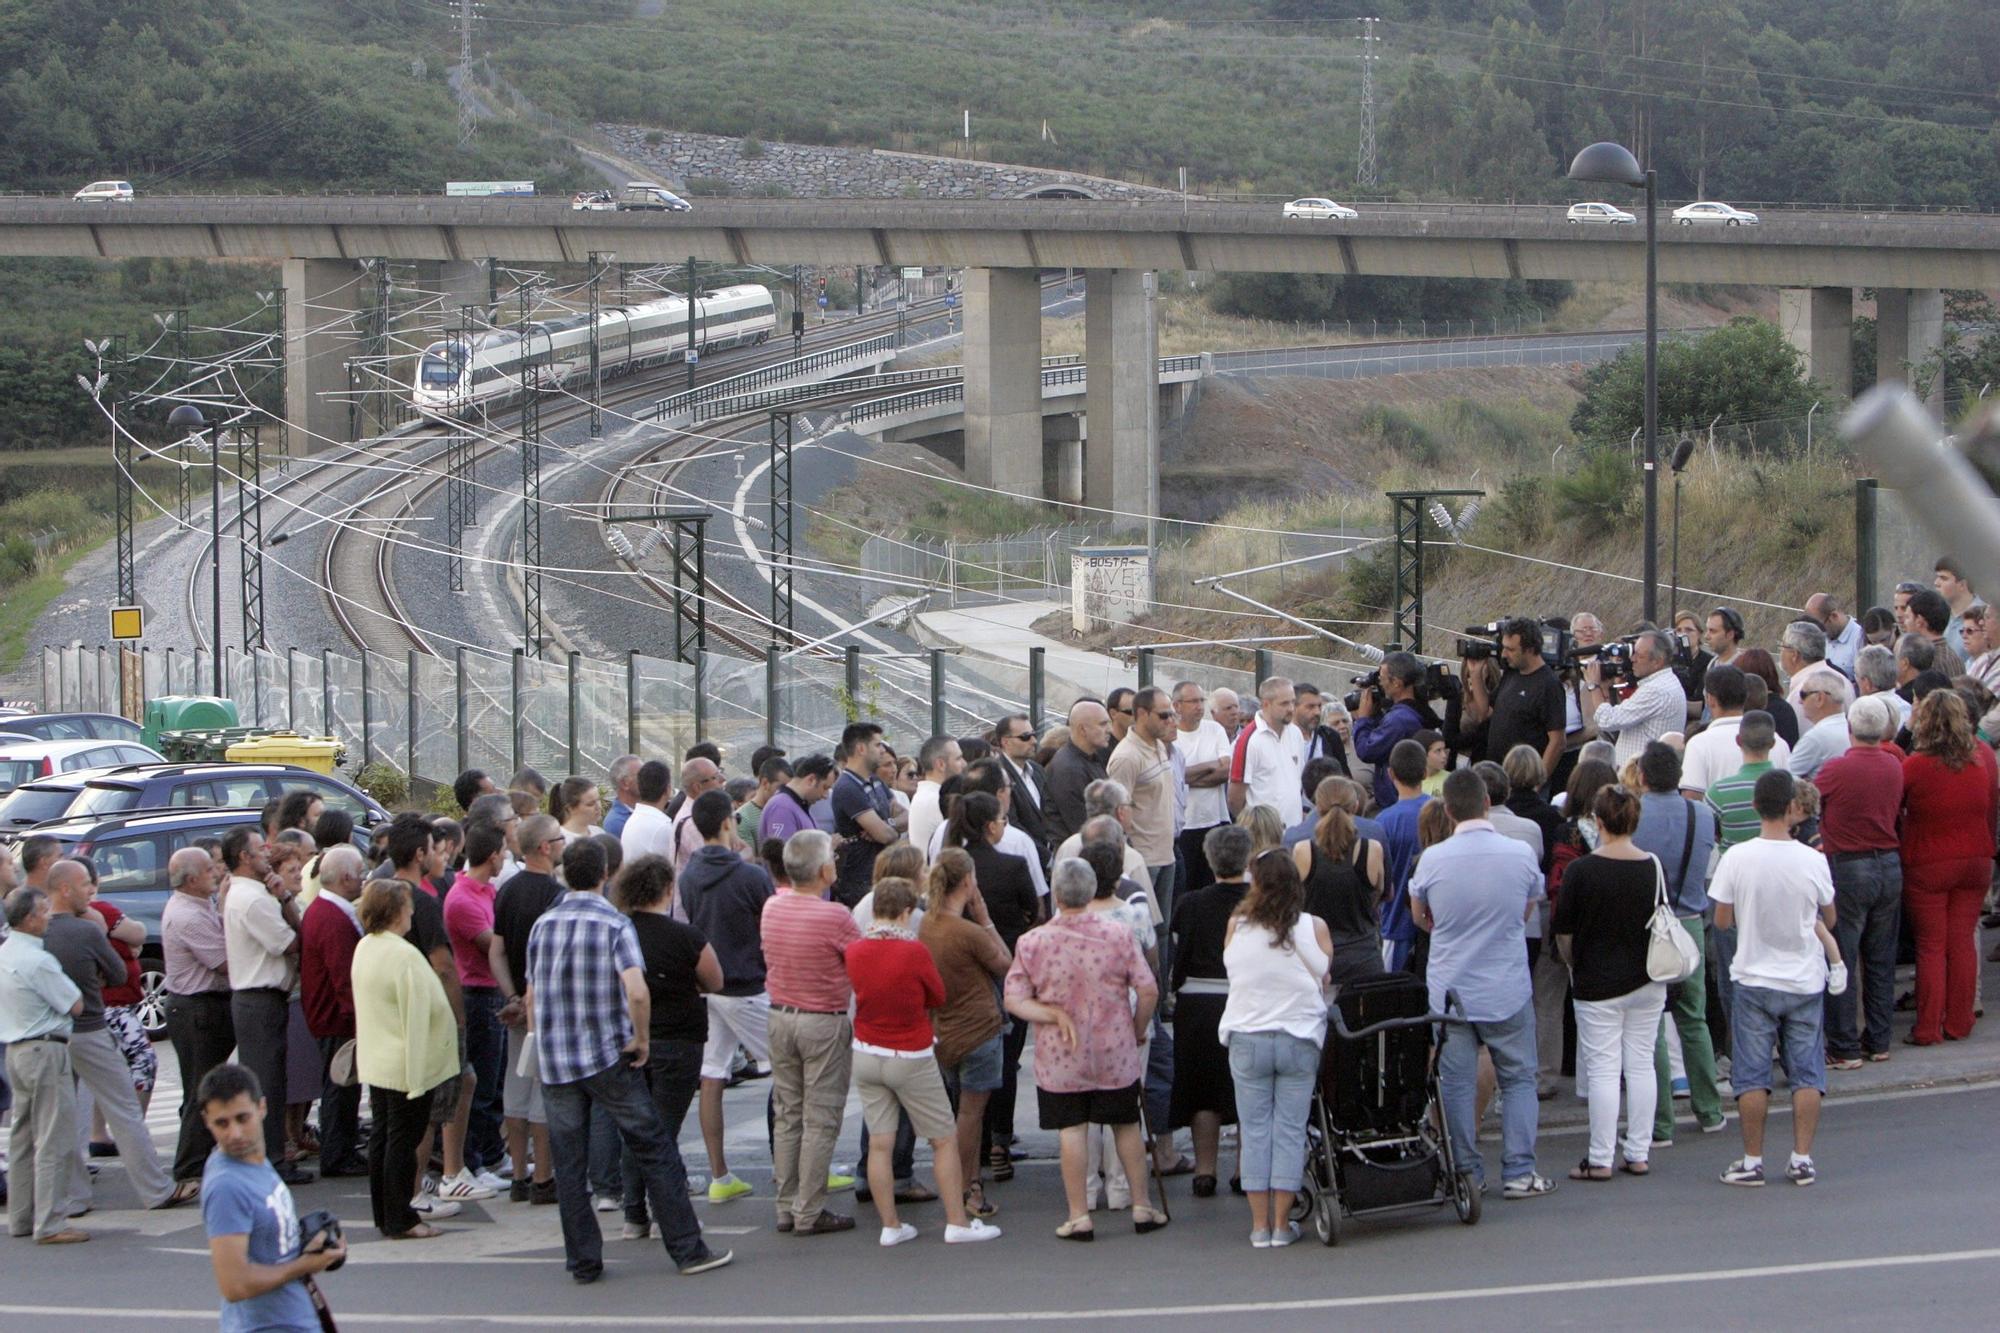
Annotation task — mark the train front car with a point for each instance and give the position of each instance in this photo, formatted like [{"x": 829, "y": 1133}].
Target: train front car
[{"x": 441, "y": 387}]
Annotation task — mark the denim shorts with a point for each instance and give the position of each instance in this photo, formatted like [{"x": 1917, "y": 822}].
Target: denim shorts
[
  {"x": 980, "y": 1070},
  {"x": 1761, "y": 1019}
]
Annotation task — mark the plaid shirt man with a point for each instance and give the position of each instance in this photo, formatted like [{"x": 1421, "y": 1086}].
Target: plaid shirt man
[{"x": 575, "y": 953}]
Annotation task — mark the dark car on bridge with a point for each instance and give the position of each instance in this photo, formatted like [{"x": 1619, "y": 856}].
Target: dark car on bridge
[{"x": 130, "y": 852}]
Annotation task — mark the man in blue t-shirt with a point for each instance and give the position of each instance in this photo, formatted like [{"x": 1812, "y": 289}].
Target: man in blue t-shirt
[
  {"x": 863, "y": 817},
  {"x": 1405, "y": 769},
  {"x": 252, "y": 1225}
]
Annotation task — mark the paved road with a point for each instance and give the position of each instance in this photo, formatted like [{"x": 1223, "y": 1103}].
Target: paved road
[{"x": 1896, "y": 1224}]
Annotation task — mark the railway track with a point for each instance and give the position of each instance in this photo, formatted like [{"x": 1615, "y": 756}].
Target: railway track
[{"x": 357, "y": 562}]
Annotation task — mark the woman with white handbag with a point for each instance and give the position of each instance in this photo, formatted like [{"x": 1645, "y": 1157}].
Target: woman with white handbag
[{"x": 1603, "y": 927}]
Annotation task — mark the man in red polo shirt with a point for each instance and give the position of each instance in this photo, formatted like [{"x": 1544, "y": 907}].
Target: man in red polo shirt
[
  {"x": 328, "y": 933},
  {"x": 805, "y": 938},
  {"x": 1861, "y": 792}
]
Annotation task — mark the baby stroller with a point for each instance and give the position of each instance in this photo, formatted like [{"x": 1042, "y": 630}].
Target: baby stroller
[{"x": 1376, "y": 1141}]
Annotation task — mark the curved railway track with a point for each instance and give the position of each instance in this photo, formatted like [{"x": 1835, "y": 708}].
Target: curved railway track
[{"x": 356, "y": 566}]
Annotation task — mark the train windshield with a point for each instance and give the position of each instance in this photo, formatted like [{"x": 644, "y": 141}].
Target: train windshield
[{"x": 440, "y": 365}]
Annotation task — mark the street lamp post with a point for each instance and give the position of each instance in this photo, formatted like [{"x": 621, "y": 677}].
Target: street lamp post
[
  {"x": 188, "y": 417},
  {"x": 1613, "y": 164}
]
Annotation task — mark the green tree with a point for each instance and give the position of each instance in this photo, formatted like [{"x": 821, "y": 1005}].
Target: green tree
[{"x": 1744, "y": 371}]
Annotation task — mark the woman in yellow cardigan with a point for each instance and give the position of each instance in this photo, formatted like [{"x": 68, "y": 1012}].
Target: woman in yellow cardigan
[{"x": 405, "y": 1045}]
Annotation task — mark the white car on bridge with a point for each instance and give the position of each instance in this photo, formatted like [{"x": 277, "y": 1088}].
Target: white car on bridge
[
  {"x": 1600, "y": 213},
  {"x": 105, "y": 192},
  {"x": 1318, "y": 208},
  {"x": 1714, "y": 215}
]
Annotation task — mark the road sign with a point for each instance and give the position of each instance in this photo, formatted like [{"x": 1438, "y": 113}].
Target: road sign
[
  {"x": 912, "y": 274},
  {"x": 822, "y": 301},
  {"x": 694, "y": 357},
  {"x": 128, "y": 622},
  {"x": 950, "y": 299}
]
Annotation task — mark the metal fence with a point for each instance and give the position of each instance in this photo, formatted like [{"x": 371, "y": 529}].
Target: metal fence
[
  {"x": 429, "y": 717},
  {"x": 1031, "y": 565}
]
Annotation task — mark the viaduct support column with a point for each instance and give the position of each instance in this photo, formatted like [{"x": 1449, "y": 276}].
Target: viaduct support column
[
  {"x": 1121, "y": 407},
  {"x": 1003, "y": 379},
  {"x": 1909, "y": 328},
  {"x": 322, "y": 330},
  {"x": 1819, "y": 321}
]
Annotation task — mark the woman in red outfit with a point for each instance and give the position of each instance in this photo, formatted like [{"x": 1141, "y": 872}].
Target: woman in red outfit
[{"x": 1949, "y": 798}]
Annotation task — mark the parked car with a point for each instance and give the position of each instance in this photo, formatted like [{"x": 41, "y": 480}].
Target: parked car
[
  {"x": 1715, "y": 215},
  {"x": 130, "y": 852},
  {"x": 105, "y": 192},
  {"x": 74, "y": 726},
  {"x": 592, "y": 201},
  {"x": 173, "y": 786},
  {"x": 1318, "y": 208},
  {"x": 657, "y": 198},
  {"x": 1604, "y": 213},
  {"x": 28, "y": 760}
]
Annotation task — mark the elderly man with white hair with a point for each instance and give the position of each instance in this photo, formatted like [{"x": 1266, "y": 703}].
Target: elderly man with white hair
[
  {"x": 1075, "y": 978},
  {"x": 1876, "y": 676},
  {"x": 1861, "y": 795},
  {"x": 328, "y": 934},
  {"x": 1823, "y": 703},
  {"x": 1656, "y": 706},
  {"x": 1802, "y": 657},
  {"x": 197, "y": 970}
]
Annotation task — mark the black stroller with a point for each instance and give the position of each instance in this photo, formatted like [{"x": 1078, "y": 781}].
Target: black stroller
[{"x": 1377, "y": 1140}]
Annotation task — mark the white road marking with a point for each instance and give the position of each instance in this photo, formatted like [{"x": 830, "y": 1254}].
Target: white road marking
[{"x": 1590, "y": 1285}]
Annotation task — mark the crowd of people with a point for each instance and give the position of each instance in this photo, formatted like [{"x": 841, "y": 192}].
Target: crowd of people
[{"x": 1164, "y": 891}]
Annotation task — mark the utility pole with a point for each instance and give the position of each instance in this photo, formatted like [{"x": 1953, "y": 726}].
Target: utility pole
[
  {"x": 693, "y": 291},
  {"x": 531, "y": 482},
  {"x": 1364, "y": 170},
  {"x": 468, "y": 123},
  {"x": 596, "y": 349}
]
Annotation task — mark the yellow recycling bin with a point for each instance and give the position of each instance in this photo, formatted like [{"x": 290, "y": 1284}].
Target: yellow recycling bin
[{"x": 319, "y": 753}]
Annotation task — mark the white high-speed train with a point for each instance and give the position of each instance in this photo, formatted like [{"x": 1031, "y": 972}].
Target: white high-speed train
[{"x": 458, "y": 373}]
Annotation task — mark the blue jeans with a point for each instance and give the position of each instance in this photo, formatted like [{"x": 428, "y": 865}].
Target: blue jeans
[
  {"x": 605, "y": 1177},
  {"x": 1724, "y": 940},
  {"x": 1868, "y": 898},
  {"x": 673, "y": 1075},
  {"x": 1780, "y": 1024},
  {"x": 1274, "y": 1074},
  {"x": 618, "y": 1097},
  {"x": 486, "y": 1052},
  {"x": 1511, "y": 1042}
]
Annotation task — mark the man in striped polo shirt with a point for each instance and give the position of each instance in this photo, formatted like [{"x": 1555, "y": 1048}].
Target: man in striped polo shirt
[{"x": 1736, "y": 822}]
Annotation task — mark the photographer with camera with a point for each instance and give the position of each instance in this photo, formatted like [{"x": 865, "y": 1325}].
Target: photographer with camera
[
  {"x": 264, "y": 1258},
  {"x": 1656, "y": 705},
  {"x": 1527, "y": 707},
  {"x": 1385, "y": 712}
]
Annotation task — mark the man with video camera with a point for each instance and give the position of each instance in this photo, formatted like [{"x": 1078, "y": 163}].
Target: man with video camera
[
  {"x": 1527, "y": 706},
  {"x": 1656, "y": 706},
  {"x": 1385, "y": 712}
]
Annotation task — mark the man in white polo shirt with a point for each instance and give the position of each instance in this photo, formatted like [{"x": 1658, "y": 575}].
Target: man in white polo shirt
[
  {"x": 1276, "y": 754},
  {"x": 1713, "y": 754}
]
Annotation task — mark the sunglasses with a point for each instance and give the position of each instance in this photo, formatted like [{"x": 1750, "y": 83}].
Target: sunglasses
[{"x": 1165, "y": 715}]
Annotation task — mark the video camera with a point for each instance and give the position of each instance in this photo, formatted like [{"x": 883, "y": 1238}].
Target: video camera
[
  {"x": 1614, "y": 659},
  {"x": 1481, "y": 642},
  {"x": 1436, "y": 684}
]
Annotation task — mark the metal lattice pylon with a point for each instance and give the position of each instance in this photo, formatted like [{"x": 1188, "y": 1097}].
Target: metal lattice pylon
[
  {"x": 1364, "y": 170},
  {"x": 781, "y": 523}
]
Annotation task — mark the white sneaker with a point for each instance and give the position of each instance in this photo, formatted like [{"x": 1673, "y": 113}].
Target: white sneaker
[
  {"x": 896, "y": 1235},
  {"x": 433, "y": 1209},
  {"x": 637, "y": 1230},
  {"x": 462, "y": 1188},
  {"x": 489, "y": 1180},
  {"x": 609, "y": 1203},
  {"x": 971, "y": 1233}
]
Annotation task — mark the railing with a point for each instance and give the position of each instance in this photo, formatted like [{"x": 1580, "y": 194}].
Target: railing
[{"x": 689, "y": 399}]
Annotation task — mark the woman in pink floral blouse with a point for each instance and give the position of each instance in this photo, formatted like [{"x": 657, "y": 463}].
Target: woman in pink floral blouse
[{"x": 1074, "y": 978}]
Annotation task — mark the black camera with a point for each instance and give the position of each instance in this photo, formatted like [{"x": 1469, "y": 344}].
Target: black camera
[
  {"x": 1439, "y": 684},
  {"x": 1479, "y": 642},
  {"x": 313, "y": 1226},
  {"x": 1365, "y": 683},
  {"x": 1614, "y": 659}
]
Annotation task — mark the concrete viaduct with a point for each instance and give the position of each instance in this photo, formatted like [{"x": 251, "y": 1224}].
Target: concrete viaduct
[{"x": 1817, "y": 259}]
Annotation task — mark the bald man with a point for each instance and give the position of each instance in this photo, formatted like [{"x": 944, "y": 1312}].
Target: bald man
[
  {"x": 698, "y": 776},
  {"x": 77, "y": 940},
  {"x": 1075, "y": 767},
  {"x": 198, "y": 1017},
  {"x": 1844, "y": 638}
]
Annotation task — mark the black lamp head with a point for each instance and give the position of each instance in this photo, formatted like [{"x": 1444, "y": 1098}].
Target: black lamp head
[
  {"x": 1609, "y": 163},
  {"x": 187, "y": 417}
]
